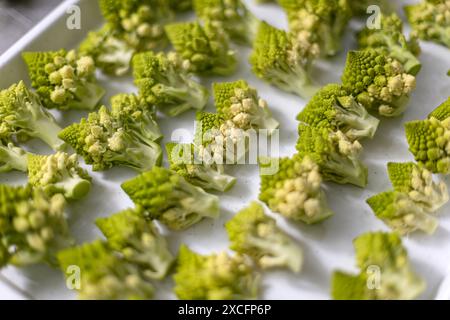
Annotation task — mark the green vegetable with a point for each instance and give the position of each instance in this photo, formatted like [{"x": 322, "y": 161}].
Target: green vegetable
[
  {"x": 333, "y": 108},
  {"x": 359, "y": 7},
  {"x": 205, "y": 47},
  {"x": 12, "y": 158},
  {"x": 64, "y": 80},
  {"x": 295, "y": 190},
  {"x": 138, "y": 241},
  {"x": 378, "y": 82},
  {"x": 386, "y": 273},
  {"x": 255, "y": 234},
  {"x": 338, "y": 158},
  {"x": 283, "y": 60},
  {"x": 169, "y": 198},
  {"x": 164, "y": 81},
  {"x": 180, "y": 5},
  {"x": 214, "y": 277},
  {"x": 442, "y": 112}
]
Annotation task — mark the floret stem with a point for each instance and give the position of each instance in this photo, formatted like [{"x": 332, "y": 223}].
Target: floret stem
[
  {"x": 410, "y": 63},
  {"x": 74, "y": 187},
  {"x": 252, "y": 24},
  {"x": 361, "y": 126},
  {"x": 141, "y": 156},
  {"x": 213, "y": 180},
  {"x": 47, "y": 130},
  {"x": 88, "y": 95},
  {"x": 345, "y": 170},
  {"x": 13, "y": 158},
  {"x": 295, "y": 81},
  {"x": 194, "y": 95}
]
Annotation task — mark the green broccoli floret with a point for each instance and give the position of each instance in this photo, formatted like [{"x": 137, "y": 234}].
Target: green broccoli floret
[
  {"x": 401, "y": 213},
  {"x": 22, "y": 116},
  {"x": 214, "y": 277},
  {"x": 139, "y": 22},
  {"x": 33, "y": 226},
  {"x": 103, "y": 274},
  {"x": 417, "y": 182},
  {"x": 295, "y": 190},
  {"x": 429, "y": 142},
  {"x": 184, "y": 160},
  {"x": 180, "y": 5},
  {"x": 169, "y": 198},
  {"x": 230, "y": 15},
  {"x": 64, "y": 80},
  {"x": 105, "y": 140},
  {"x": 58, "y": 173},
  {"x": 338, "y": 158},
  {"x": 333, "y": 108},
  {"x": 12, "y": 158},
  {"x": 255, "y": 234},
  {"x": 378, "y": 82},
  {"x": 240, "y": 103},
  {"x": 283, "y": 60},
  {"x": 321, "y": 22},
  {"x": 165, "y": 82},
  {"x": 206, "y": 48},
  {"x": 385, "y": 253},
  {"x": 111, "y": 53},
  {"x": 139, "y": 241},
  {"x": 430, "y": 20},
  {"x": 392, "y": 42},
  {"x": 442, "y": 112},
  {"x": 359, "y": 7}
]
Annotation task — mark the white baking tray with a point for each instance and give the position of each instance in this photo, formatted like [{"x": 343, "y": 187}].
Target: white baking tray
[{"x": 327, "y": 246}]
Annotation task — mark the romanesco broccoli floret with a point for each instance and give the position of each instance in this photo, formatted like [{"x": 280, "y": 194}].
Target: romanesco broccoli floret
[
  {"x": 338, "y": 157},
  {"x": 180, "y": 5},
  {"x": 169, "y": 198},
  {"x": 295, "y": 190},
  {"x": 321, "y": 22},
  {"x": 359, "y": 7},
  {"x": 430, "y": 20},
  {"x": 232, "y": 16},
  {"x": 164, "y": 81},
  {"x": 64, "y": 80},
  {"x": 283, "y": 60},
  {"x": 401, "y": 213},
  {"x": 241, "y": 104},
  {"x": 111, "y": 53},
  {"x": 383, "y": 253},
  {"x": 205, "y": 47},
  {"x": 429, "y": 142},
  {"x": 33, "y": 226},
  {"x": 58, "y": 173},
  {"x": 185, "y": 161},
  {"x": 139, "y": 22},
  {"x": 392, "y": 42},
  {"x": 418, "y": 183},
  {"x": 12, "y": 158},
  {"x": 442, "y": 112},
  {"x": 22, "y": 116},
  {"x": 104, "y": 275},
  {"x": 257, "y": 235},
  {"x": 214, "y": 277},
  {"x": 333, "y": 108},
  {"x": 378, "y": 82},
  {"x": 138, "y": 241}
]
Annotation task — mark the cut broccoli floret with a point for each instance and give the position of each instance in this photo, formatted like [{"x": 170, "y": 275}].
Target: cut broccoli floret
[
  {"x": 383, "y": 253},
  {"x": 430, "y": 20},
  {"x": 240, "y": 103},
  {"x": 283, "y": 61},
  {"x": 33, "y": 226},
  {"x": 429, "y": 142},
  {"x": 333, "y": 108},
  {"x": 392, "y": 42},
  {"x": 59, "y": 173},
  {"x": 255, "y": 234},
  {"x": 378, "y": 82},
  {"x": 22, "y": 116},
  {"x": 64, "y": 80},
  {"x": 321, "y": 22},
  {"x": 442, "y": 112},
  {"x": 103, "y": 274},
  {"x": 417, "y": 182},
  {"x": 338, "y": 158},
  {"x": 169, "y": 198},
  {"x": 230, "y": 15},
  {"x": 295, "y": 190},
  {"x": 214, "y": 277},
  {"x": 139, "y": 241},
  {"x": 165, "y": 82},
  {"x": 205, "y": 47},
  {"x": 401, "y": 213},
  {"x": 12, "y": 158},
  {"x": 184, "y": 160}
]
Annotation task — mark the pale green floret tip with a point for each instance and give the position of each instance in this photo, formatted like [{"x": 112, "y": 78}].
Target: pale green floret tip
[
  {"x": 255, "y": 234},
  {"x": 214, "y": 277},
  {"x": 12, "y": 158}
]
